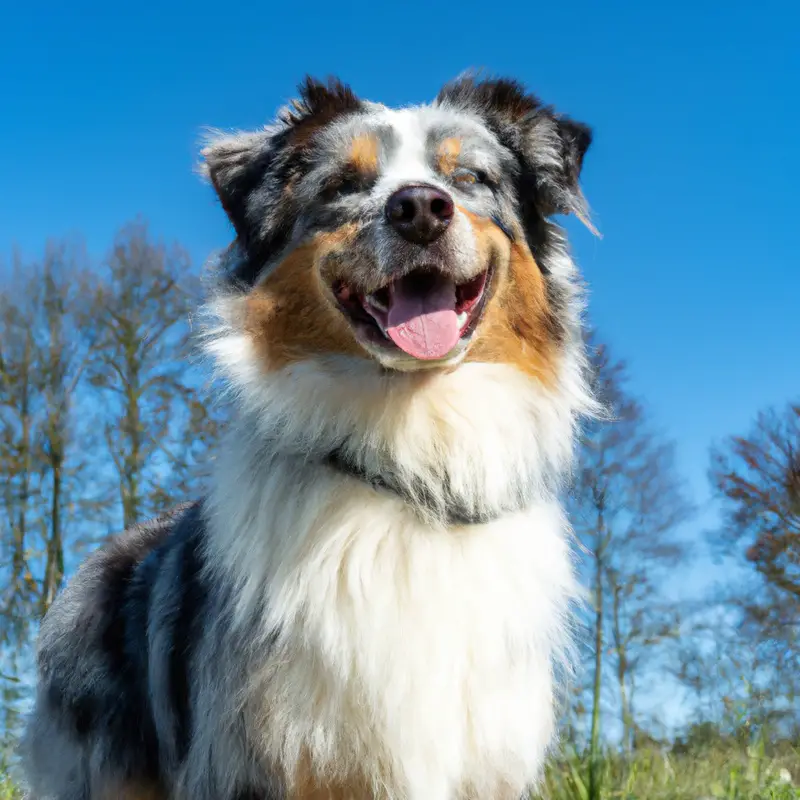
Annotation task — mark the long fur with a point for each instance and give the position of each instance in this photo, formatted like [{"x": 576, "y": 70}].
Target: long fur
[{"x": 301, "y": 632}]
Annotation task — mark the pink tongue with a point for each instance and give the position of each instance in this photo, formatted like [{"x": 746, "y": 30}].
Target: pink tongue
[{"x": 424, "y": 324}]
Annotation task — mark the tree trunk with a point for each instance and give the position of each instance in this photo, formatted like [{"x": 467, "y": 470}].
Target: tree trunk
[
  {"x": 26, "y": 468},
  {"x": 132, "y": 460},
  {"x": 594, "y": 743},
  {"x": 622, "y": 675},
  {"x": 54, "y": 570}
]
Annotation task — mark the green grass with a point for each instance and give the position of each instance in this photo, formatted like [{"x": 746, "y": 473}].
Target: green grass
[
  {"x": 651, "y": 775},
  {"x": 8, "y": 791}
]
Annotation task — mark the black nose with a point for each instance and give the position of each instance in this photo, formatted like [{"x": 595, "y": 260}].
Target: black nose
[{"x": 420, "y": 214}]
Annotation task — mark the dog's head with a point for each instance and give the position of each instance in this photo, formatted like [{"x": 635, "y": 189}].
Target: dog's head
[{"x": 416, "y": 238}]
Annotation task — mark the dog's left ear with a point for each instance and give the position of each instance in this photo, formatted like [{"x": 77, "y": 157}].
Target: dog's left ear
[
  {"x": 563, "y": 184},
  {"x": 549, "y": 147}
]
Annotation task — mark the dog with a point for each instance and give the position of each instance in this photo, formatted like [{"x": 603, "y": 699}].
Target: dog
[{"x": 374, "y": 600}]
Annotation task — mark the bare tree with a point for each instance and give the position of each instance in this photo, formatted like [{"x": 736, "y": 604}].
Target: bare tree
[
  {"x": 63, "y": 359},
  {"x": 19, "y": 392},
  {"x": 627, "y": 505},
  {"x": 138, "y": 326},
  {"x": 757, "y": 477},
  {"x": 41, "y": 362}
]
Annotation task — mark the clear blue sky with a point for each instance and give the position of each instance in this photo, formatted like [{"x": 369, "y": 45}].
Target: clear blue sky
[{"x": 693, "y": 175}]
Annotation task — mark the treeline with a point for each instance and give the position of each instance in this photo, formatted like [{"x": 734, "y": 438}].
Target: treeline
[
  {"x": 105, "y": 419},
  {"x": 672, "y": 668}
]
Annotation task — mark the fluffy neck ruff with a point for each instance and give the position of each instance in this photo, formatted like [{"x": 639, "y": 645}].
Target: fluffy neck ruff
[
  {"x": 466, "y": 445},
  {"x": 461, "y": 447}
]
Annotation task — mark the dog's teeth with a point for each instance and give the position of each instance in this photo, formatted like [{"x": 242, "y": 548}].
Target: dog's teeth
[
  {"x": 382, "y": 329},
  {"x": 462, "y": 319}
]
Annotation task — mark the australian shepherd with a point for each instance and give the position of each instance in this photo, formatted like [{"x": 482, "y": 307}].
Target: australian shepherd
[{"x": 373, "y": 601}]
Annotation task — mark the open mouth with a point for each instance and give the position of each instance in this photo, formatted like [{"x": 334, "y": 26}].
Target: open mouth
[{"x": 425, "y": 313}]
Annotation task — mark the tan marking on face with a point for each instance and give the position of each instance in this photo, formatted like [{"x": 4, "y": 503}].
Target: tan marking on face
[
  {"x": 364, "y": 154},
  {"x": 447, "y": 155},
  {"x": 518, "y": 325},
  {"x": 291, "y": 315},
  {"x": 491, "y": 242}
]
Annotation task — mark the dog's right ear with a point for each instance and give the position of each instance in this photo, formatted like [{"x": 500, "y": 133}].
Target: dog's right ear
[
  {"x": 236, "y": 164},
  {"x": 253, "y": 173}
]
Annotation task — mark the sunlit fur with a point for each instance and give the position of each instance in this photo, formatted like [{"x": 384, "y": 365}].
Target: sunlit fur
[{"x": 356, "y": 642}]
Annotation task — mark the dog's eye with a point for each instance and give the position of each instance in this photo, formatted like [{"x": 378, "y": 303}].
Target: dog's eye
[
  {"x": 469, "y": 177},
  {"x": 348, "y": 186}
]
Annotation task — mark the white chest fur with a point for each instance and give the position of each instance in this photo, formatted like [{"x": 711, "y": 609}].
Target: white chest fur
[
  {"x": 416, "y": 660},
  {"x": 419, "y": 660}
]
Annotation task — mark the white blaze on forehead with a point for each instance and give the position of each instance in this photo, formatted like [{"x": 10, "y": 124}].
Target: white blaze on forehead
[
  {"x": 410, "y": 158},
  {"x": 408, "y": 161}
]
